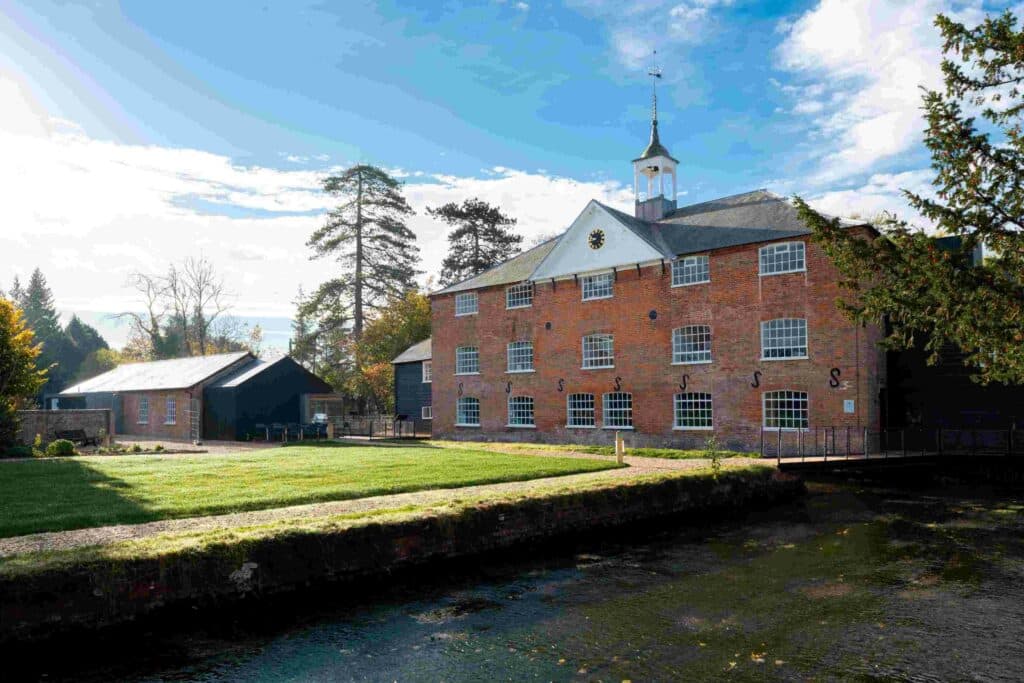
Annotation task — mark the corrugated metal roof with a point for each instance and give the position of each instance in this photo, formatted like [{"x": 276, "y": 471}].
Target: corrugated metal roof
[
  {"x": 417, "y": 352},
  {"x": 176, "y": 373},
  {"x": 516, "y": 269}
]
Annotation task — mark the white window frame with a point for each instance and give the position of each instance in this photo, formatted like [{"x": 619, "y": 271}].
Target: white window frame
[
  {"x": 610, "y": 410},
  {"x": 461, "y": 307},
  {"x": 685, "y": 340},
  {"x": 781, "y": 258},
  {"x": 143, "y": 415},
  {"x": 465, "y": 351},
  {"x": 780, "y": 330},
  {"x": 426, "y": 412},
  {"x": 517, "y": 294},
  {"x": 521, "y": 408},
  {"x": 576, "y": 416},
  {"x": 593, "y": 287},
  {"x": 428, "y": 372},
  {"x": 515, "y": 349},
  {"x": 593, "y": 342},
  {"x": 697, "y": 267},
  {"x": 459, "y": 411},
  {"x": 171, "y": 411},
  {"x": 692, "y": 406},
  {"x": 786, "y": 395}
]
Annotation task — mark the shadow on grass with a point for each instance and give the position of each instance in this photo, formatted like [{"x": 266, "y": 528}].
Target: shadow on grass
[{"x": 55, "y": 495}]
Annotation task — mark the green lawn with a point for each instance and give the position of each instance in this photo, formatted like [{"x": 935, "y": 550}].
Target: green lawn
[
  {"x": 73, "y": 493},
  {"x": 525, "y": 447}
]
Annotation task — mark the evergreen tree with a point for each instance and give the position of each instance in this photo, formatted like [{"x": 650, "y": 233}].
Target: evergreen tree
[
  {"x": 302, "y": 346},
  {"x": 17, "y": 294},
  {"x": 481, "y": 238},
  {"x": 366, "y": 234},
  {"x": 42, "y": 318},
  {"x": 935, "y": 297},
  {"x": 20, "y": 379},
  {"x": 80, "y": 341}
]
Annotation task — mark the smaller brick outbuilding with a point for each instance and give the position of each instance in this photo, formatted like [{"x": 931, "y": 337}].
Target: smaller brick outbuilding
[{"x": 203, "y": 397}]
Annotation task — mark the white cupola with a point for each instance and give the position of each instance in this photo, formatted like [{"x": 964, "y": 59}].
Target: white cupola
[{"x": 653, "y": 168}]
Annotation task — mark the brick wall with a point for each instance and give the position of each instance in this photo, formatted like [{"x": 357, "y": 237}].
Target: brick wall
[
  {"x": 734, "y": 303},
  {"x": 47, "y": 423},
  {"x": 157, "y": 425}
]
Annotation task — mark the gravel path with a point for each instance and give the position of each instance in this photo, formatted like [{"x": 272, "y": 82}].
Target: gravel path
[{"x": 77, "y": 538}]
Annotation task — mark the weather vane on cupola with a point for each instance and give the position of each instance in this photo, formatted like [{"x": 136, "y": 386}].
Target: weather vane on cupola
[
  {"x": 655, "y": 73},
  {"x": 654, "y": 164}
]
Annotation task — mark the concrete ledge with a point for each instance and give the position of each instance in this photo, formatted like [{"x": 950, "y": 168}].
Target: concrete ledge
[{"x": 64, "y": 597}]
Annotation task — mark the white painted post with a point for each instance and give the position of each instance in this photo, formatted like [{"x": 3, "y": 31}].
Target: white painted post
[{"x": 620, "y": 448}]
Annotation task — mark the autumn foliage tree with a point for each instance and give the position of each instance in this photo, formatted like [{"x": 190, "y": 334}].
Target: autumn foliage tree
[
  {"x": 937, "y": 297},
  {"x": 20, "y": 379},
  {"x": 402, "y": 323}
]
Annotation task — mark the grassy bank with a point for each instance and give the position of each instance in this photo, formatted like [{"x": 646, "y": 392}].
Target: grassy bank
[
  {"x": 82, "y": 492},
  {"x": 521, "y": 447},
  {"x": 197, "y": 543}
]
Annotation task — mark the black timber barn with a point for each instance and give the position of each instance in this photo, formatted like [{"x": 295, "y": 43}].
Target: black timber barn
[
  {"x": 412, "y": 385},
  {"x": 263, "y": 392}
]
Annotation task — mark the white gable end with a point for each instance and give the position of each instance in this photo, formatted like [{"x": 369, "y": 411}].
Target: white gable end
[{"x": 574, "y": 254}]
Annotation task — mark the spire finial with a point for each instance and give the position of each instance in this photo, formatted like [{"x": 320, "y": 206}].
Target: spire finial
[{"x": 655, "y": 73}]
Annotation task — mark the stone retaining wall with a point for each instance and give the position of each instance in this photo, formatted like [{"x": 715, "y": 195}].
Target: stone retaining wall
[
  {"x": 103, "y": 593},
  {"x": 47, "y": 423}
]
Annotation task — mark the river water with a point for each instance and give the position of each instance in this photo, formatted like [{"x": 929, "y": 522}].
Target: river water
[{"x": 851, "y": 582}]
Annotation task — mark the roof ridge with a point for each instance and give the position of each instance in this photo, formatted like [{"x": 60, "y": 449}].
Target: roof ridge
[
  {"x": 169, "y": 360},
  {"x": 729, "y": 196},
  {"x": 497, "y": 265}
]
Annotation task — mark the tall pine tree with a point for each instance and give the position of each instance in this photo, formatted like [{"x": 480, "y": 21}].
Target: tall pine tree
[
  {"x": 367, "y": 236},
  {"x": 481, "y": 238},
  {"x": 42, "y": 318},
  {"x": 935, "y": 297}
]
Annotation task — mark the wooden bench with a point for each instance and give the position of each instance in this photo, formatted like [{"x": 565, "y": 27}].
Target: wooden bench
[{"x": 78, "y": 436}]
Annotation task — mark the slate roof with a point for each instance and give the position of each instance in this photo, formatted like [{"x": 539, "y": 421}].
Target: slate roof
[
  {"x": 516, "y": 269},
  {"x": 176, "y": 373},
  {"x": 747, "y": 218},
  {"x": 415, "y": 353},
  {"x": 247, "y": 372}
]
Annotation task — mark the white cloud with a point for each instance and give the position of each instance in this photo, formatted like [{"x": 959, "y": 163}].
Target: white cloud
[
  {"x": 638, "y": 27},
  {"x": 869, "y": 57},
  {"x": 88, "y": 212},
  {"x": 882, "y": 192}
]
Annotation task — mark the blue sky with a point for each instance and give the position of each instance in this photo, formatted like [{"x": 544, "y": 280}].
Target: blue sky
[{"x": 143, "y": 132}]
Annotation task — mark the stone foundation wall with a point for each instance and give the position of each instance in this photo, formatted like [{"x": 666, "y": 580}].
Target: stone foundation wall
[{"x": 48, "y": 422}]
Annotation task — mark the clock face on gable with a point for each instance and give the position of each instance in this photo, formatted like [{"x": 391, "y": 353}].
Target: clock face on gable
[{"x": 596, "y": 239}]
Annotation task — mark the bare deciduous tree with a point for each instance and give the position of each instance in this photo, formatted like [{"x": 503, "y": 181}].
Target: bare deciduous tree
[{"x": 182, "y": 310}]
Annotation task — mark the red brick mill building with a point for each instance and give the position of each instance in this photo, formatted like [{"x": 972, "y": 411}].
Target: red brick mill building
[{"x": 670, "y": 325}]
